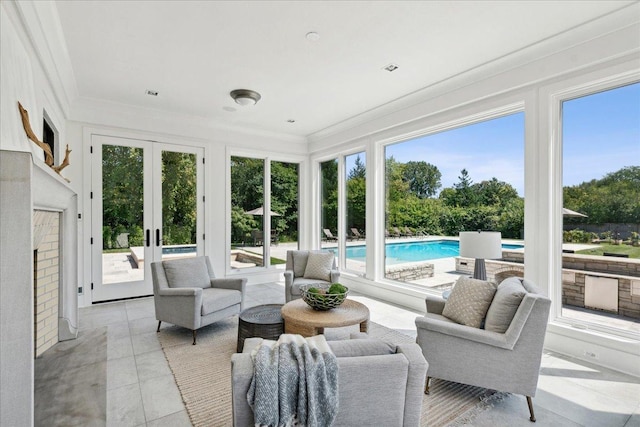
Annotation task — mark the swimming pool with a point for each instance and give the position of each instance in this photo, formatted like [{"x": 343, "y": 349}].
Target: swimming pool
[{"x": 397, "y": 253}]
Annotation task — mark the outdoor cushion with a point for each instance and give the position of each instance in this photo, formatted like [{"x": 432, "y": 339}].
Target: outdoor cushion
[
  {"x": 319, "y": 266},
  {"x": 187, "y": 273},
  {"x": 469, "y": 301},
  {"x": 504, "y": 305},
  {"x": 216, "y": 299},
  {"x": 300, "y": 259}
]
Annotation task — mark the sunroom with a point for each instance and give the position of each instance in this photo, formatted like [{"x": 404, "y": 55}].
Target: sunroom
[{"x": 378, "y": 131}]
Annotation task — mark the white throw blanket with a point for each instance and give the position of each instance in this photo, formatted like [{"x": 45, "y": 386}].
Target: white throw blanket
[{"x": 295, "y": 380}]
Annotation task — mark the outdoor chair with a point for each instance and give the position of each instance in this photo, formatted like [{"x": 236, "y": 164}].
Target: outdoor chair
[
  {"x": 503, "y": 356},
  {"x": 328, "y": 236},
  {"x": 298, "y": 271},
  {"x": 187, "y": 294},
  {"x": 397, "y": 232},
  {"x": 356, "y": 234},
  {"x": 408, "y": 232}
]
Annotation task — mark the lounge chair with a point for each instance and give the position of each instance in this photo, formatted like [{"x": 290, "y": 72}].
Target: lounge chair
[
  {"x": 328, "y": 236},
  {"x": 397, "y": 232},
  {"x": 408, "y": 232},
  {"x": 356, "y": 234}
]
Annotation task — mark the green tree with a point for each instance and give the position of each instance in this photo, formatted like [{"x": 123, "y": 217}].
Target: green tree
[
  {"x": 179, "y": 198},
  {"x": 356, "y": 196},
  {"x": 122, "y": 192},
  {"x": 329, "y": 172},
  {"x": 423, "y": 178},
  {"x": 613, "y": 199}
]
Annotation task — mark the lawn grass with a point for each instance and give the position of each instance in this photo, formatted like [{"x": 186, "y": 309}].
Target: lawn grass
[{"x": 632, "y": 251}]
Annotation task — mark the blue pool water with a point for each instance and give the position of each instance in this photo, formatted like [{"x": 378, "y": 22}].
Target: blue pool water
[
  {"x": 397, "y": 253},
  {"x": 178, "y": 249}
]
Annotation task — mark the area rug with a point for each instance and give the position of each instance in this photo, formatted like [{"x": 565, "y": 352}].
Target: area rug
[{"x": 203, "y": 375}]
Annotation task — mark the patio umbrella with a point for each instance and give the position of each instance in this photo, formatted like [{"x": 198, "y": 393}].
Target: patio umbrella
[
  {"x": 569, "y": 212},
  {"x": 260, "y": 211}
]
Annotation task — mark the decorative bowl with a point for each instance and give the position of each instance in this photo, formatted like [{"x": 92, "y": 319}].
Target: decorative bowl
[{"x": 321, "y": 299}]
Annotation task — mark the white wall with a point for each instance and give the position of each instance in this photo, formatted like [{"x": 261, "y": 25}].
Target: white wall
[
  {"x": 605, "y": 48},
  {"x": 22, "y": 79}
]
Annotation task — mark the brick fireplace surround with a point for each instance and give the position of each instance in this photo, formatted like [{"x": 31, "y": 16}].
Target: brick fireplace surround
[{"x": 27, "y": 185}]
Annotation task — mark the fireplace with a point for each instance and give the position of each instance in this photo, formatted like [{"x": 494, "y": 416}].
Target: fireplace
[{"x": 29, "y": 188}]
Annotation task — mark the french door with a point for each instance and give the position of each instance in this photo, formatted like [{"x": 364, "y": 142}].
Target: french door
[{"x": 147, "y": 205}]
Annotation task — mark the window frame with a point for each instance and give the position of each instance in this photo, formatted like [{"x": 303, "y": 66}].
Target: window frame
[
  {"x": 267, "y": 157},
  {"x": 552, "y": 97}
]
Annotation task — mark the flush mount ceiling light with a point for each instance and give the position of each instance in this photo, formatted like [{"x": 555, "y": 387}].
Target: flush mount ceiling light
[{"x": 245, "y": 96}]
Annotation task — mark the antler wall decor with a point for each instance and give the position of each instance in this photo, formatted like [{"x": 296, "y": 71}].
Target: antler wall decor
[{"x": 48, "y": 155}]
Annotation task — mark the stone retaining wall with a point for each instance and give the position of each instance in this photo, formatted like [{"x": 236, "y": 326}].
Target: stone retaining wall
[
  {"x": 409, "y": 272},
  {"x": 575, "y": 269}
]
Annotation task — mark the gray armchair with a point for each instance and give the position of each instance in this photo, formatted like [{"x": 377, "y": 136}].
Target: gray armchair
[
  {"x": 379, "y": 384},
  {"x": 295, "y": 271},
  {"x": 508, "y": 361},
  {"x": 186, "y": 293}
]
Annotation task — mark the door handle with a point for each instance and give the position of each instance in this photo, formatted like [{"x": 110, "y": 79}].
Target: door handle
[
  {"x": 157, "y": 237},
  {"x": 148, "y": 238}
]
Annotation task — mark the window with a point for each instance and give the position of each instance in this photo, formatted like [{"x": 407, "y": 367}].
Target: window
[
  {"x": 355, "y": 224},
  {"x": 601, "y": 208},
  {"x": 463, "y": 179},
  {"x": 329, "y": 204},
  {"x": 259, "y": 234}
]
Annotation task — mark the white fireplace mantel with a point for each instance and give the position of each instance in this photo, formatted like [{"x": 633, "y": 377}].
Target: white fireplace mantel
[{"x": 26, "y": 185}]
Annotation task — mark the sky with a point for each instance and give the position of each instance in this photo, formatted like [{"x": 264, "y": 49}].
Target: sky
[{"x": 601, "y": 134}]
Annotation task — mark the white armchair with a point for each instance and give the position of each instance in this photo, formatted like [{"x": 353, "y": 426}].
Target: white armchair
[
  {"x": 508, "y": 361},
  {"x": 186, "y": 293},
  {"x": 297, "y": 274}
]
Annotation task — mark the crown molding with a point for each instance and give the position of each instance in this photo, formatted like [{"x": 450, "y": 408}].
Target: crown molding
[{"x": 420, "y": 103}]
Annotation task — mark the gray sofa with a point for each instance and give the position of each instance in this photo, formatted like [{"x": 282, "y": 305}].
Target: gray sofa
[
  {"x": 508, "y": 361},
  {"x": 294, "y": 274},
  {"x": 379, "y": 384},
  {"x": 186, "y": 293}
]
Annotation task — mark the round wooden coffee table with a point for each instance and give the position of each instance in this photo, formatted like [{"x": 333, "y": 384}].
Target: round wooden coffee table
[{"x": 301, "y": 319}]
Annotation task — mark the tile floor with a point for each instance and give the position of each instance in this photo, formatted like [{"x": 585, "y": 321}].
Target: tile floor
[{"x": 140, "y": 389}]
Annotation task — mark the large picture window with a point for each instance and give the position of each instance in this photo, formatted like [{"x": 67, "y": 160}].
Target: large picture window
[
  {"x": 463, "y": 179},
  {"x": 601, "y": 209}
]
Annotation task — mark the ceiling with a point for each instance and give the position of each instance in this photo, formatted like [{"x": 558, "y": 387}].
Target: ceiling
[{"x": 193, "y": 53}]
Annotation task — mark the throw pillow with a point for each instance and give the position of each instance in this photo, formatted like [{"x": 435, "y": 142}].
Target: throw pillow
[
  {"x": 319, "y": 266},
  {"x": 505, "y": 304},
  {"x": 300, "y": 259},
  {"x": 187, "y": 273},
  {"x": 469, "y": 301}
]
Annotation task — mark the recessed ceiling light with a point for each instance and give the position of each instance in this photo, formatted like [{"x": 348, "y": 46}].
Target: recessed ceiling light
[
  {"x": 391, "y": 67},
  {"x": 313, "y": 36},
  {"x": 152, "y": 92},
  {"x": 291, "y": 121}
]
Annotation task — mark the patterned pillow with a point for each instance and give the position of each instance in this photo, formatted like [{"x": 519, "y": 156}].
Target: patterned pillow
[
  {"x": 504, "y": 305},
  {"x": 469, "y": 301},
  {"x": 319, "y": 266}
]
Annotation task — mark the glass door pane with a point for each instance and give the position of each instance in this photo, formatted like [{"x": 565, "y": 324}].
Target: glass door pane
[
  {"x": 122, "y": 214},
  {"x": 247, "y": 213},
  {"x": 179, "y": 204},
  {"x": 284, "y": 211},
  {"x": 120, "y": 218}
]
